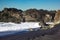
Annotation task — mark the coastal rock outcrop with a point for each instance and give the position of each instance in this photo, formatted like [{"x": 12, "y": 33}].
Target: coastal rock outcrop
[
  {"x": 29, "y": 15},
  {"x": 57, "y": 17},
  {"x": 11, "y": 15}
]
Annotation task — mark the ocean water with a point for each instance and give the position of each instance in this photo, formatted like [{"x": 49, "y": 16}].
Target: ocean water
[{"x": 11, "y": 28}]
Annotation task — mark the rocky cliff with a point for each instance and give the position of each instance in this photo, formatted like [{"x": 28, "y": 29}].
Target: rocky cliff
[
  {"x": 11, "y": 15},
  {"x": 29, "y": 15},
  {"x": 57, "y": 17}
]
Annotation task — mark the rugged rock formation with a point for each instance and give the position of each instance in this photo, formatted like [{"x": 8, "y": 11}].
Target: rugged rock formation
[
  {"x": 11, "y": 15},
  {"x": 30, "y": 15},
  {"x": 57, "y": 17},
  {"x": 38, "y": 15}
]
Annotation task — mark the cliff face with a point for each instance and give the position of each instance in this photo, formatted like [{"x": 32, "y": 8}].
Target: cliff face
[
  {"x": 11, "y": 15},
  {"x": 38, "y": 15},
  {"x": 57, "y": 17},
  {"x": 30, "y": 15}
]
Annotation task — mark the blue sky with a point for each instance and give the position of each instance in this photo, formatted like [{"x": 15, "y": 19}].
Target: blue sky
[{"x": 27, "y": 4}]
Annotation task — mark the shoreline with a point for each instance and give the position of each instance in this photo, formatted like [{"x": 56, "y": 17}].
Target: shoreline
[{"x": 33, "y": 34}]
